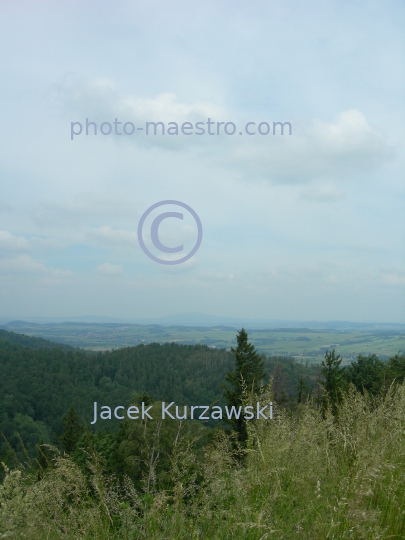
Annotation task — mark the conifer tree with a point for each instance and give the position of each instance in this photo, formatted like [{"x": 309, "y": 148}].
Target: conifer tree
[
  {"x": 279, "y": 393},
  {"x": 333, "y": 381},
  {"x": 248, "y": 374},
  {"x": 302, "y": 390},
  {"x": 72, "y": 430}
]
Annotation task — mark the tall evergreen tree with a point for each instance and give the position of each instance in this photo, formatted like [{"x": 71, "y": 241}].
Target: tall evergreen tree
[
  {"x": 72, "y": 430},
  {"x": 333, "y": 380},
  {"x": 279, "y": 393},
  {"x": 248, "y": 374},
  {"x": 302, "y": 390},
  {"x": 396, "y": 368}
]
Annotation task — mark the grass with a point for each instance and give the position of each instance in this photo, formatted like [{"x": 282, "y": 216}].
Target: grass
[{"x": 302, "y": 476}]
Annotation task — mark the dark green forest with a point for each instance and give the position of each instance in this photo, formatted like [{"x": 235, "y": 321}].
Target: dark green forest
[
  {"x": 336, "y": 438},
  {"x": 41, "y": 381}
]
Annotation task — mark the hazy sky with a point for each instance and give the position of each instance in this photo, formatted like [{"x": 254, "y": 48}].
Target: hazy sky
[{"x": 307, "y": 226}]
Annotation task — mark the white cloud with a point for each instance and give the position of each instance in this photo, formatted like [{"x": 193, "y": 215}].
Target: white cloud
[
  {"x": 27, "y": 265},
  {"x": 9, "y": 242},
  {"x": 99, "y": 101},
  {"x": 317, "y": 149},
  {"x": 166, "y": 108},
  {"x": 108, "y": 236}
]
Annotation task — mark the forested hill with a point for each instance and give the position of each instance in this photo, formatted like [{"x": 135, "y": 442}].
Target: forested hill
[
  {"x": 28, "y": 341},
  {"x": 38, "y": 385}
]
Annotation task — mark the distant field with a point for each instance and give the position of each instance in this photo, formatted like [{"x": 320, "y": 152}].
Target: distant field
[{"x": 307, "y": 344}]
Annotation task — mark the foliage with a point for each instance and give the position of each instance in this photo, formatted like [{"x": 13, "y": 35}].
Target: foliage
[
  {"x": 332, "y": 380},
  {"x": 247, "y": 376},
  {"x": 307, "y": 475},
  {"x": 38, "y": 387},
  {"x": 72, "y": 430},
  {"x": 396, "y": 368},
  {"x": 302, "y": 390},
  {"x": 367, "y": 373},
  {"x": 28, "y": 341}
]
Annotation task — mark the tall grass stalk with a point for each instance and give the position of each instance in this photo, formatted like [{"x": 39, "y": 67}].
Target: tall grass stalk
[{"x": 305, "y": 474}]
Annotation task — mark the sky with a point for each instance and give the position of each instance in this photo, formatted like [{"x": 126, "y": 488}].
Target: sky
[{"x": 302, "y": 226}]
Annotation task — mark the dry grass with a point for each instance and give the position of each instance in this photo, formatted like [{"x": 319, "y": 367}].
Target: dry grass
[{"x": 303, "y": 476}]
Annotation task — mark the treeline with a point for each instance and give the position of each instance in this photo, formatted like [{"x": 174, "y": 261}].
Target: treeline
[
  {"x": 41, "y": 381},
  {"x": 31, "y": 342},
  {"x": 368, "y": 375}
]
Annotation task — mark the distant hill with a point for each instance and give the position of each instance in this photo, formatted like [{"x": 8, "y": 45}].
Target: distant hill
[
  {"x": 31, "y": 342},
  {"x": 207, "y": 320}
]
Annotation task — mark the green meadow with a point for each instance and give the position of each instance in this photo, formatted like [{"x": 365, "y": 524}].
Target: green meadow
[{"x": 306, "y": 344}]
